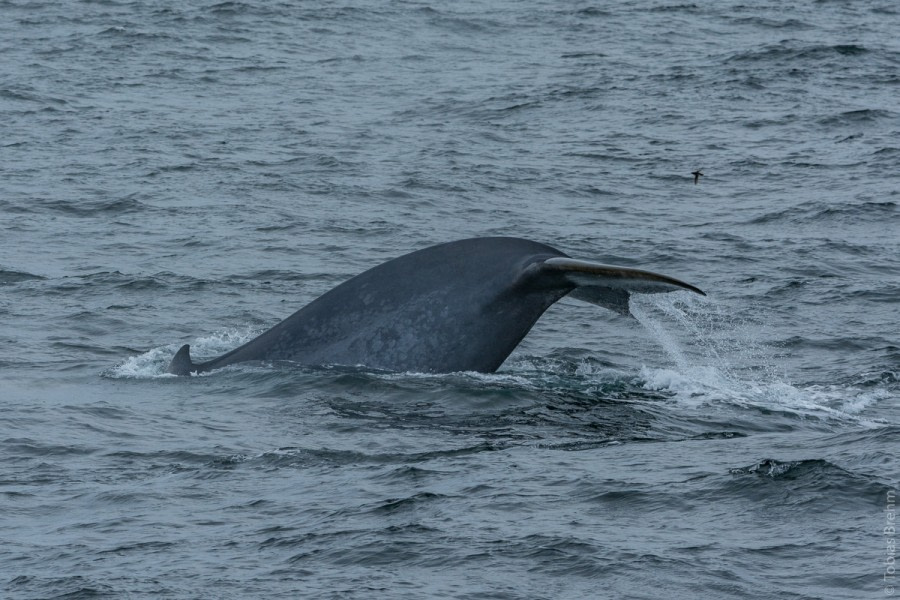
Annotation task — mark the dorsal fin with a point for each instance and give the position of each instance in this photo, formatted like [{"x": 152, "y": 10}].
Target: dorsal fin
[{"x": 181, "y": 364}]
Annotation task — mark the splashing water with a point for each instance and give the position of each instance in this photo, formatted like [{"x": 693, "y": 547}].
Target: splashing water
[
  {"x": 155, "y": 361},
  {"x": 727, "y": 362}
]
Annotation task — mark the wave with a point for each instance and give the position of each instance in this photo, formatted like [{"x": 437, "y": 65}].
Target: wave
[
  {"x": 132, "y": 34},
  {"x": 819, "y": 211},
  {"x": 806, "y": 479},
  {"x": 773, "y": 23},
  {"x": 857, "y": 117},
  {"x": 103, "y": 282},
  {"x": 8, "y": 277},
  {"x": 790, "y": 52},
  {"x": 29, "y": 95},
  {"x": 83, "y": 208}
]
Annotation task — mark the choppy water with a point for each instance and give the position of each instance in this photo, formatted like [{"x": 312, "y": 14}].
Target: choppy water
[{"x": 194, "y": 172}]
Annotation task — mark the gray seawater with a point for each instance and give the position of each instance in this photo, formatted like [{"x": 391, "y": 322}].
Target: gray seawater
[{"x": 179, "y": 172}]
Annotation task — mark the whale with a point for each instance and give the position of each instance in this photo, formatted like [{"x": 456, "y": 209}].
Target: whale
[{"x": 458, "y": 306}]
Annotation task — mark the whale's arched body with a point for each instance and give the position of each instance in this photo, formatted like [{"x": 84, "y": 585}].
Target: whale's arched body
[{"x": 459, "y": 306}]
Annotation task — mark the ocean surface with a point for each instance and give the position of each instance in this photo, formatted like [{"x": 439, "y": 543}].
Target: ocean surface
[{"x": 193, "y": 172}]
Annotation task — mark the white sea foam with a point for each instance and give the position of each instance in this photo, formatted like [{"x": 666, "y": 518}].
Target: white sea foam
[
  {"x": 153, "y": 363},
  {"x": 142, "y": 366},
  {"x": 718, "y": 359}
]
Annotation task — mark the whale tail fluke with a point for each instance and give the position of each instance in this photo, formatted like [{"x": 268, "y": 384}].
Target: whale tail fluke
[
  {"x": 181, "y": 364},
  {"x": 604, "y": 285}
]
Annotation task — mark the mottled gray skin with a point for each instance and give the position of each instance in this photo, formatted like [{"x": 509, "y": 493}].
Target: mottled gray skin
[{"x": 459, "y": 306}]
